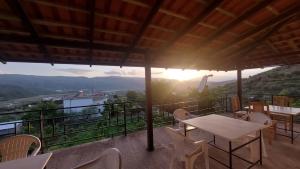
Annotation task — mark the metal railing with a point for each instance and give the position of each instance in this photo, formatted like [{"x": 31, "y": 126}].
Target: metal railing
[{"x": 97, "y": 122}]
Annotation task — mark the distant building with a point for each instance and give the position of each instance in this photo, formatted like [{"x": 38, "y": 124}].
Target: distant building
[
  {"x": 10, "y": 127},
  {"x": 74, "y": 103}
]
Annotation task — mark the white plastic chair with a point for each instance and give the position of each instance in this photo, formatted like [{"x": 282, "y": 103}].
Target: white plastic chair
[
  {"x": 260, "y": 118},
  {"x": 15, "y": 147},
  {"x": 187, "y": 150},
  {"x": 182, "y": 114},
  {"x": 109, "y": 159}
]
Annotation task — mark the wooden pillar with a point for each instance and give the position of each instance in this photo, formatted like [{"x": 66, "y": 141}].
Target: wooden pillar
[
  {"x": 239, "y": 87},
  {"x": 150, "y": 145}
]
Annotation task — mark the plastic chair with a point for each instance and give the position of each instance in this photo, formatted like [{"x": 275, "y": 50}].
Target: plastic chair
[
  {"x": 285, "y": 102},
  {"x": 262, "y": 118},
  {"x": 15, "y": 147},
  {"x": 182, "y": 114},
  {"x": 187, "y": 150},
  {"x": 109, "y": 159},
  {"x": 235, "y": 105}
]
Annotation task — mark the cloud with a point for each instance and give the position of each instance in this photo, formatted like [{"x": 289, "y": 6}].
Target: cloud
[
  {"x": 132, "y": 73},
  {"x": 113, "y": 73},
  {"x": 75, "y": 71},
  {"x": 157, "y": 73}
]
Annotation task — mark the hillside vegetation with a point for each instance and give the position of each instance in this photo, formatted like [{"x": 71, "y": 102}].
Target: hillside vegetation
[{"x": 283, "y": 80}]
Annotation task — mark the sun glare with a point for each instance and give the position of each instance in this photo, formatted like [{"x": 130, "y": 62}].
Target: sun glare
[{"x": 181, "y": 75}]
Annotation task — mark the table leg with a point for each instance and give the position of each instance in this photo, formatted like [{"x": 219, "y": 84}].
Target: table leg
[
  {"x": 260, "y": 148},
  {"x": 184, "y": 126},
  {"x": 214, "y": 139},
  {"x": 230, "y": 155},
  {"x": 292, "y": 129}
]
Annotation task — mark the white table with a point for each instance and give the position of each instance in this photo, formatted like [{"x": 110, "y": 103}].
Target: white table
[
  {"x": 291, "y": 112},
  {"x": 32, "y": 162},
  {"x": 287, "y": 111},
  {"x": 229, "y": 129}
]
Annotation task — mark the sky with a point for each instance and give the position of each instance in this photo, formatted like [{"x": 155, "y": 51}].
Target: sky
[{"x": 94, "y": 71}]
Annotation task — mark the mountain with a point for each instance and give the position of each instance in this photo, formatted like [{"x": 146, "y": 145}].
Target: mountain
[
  {"x": 15, "y": 86},
  {"x": 284, "y": 80},
  {"x": 18, "y": 86}
]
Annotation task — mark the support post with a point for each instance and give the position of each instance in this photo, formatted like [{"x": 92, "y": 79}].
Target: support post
[
  {"x": 150, "y": 146},
  {"x": 239, "y": 87}
]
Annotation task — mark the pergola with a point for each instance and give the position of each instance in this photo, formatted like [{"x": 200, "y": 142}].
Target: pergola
[{"x": 185, "y": 34}]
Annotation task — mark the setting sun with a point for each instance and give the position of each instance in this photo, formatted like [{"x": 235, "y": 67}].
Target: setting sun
[{"x": 181, "y": 75}]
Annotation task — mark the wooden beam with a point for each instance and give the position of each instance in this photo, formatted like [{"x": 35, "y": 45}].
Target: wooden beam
[
  {"x": 260, "y": 5},
  {"x": 3, "y": 57},
  {"x": 150, "y": 144},
  {"x": 212, "y": 6},
  {"x": 291, "y": 11},
  {"x": 143, "y": 28},
  {"x": 247, "y": 49},
  {"x": 276, "y": 56},
  {"x": 91, "y": 24},
  {"x": 18, "y": 9},
  {"x": 68, "y": 44},
  {"x": 271, "y": 47}
]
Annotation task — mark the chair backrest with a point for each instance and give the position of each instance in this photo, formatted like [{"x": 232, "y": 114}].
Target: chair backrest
[
  {"x": 261, "y": 118},
  {"x": 109, "y": 159},
  {"x": 281, "y": 101},
  {"x": 257, "y": 106},
  {"x": 235, "y": 103},
  {"x": 15, "y": 147},
  {"x": 181, "y": 114}
]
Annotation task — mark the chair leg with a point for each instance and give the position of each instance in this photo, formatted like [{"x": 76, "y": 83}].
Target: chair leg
[
  {"x": 285, "y": 125},
  {"x": 206, "y": 158}
]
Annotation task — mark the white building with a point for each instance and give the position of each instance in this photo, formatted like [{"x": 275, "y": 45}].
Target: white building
[
  {"x": 83, "y": 100},
  {"x": 10, "y": 127}
]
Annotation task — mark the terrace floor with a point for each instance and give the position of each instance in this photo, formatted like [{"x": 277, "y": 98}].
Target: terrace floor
[{"x": 281, "y": 155}]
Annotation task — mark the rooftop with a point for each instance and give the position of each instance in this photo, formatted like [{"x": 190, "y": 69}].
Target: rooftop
[{"x": 194, "y": 34}]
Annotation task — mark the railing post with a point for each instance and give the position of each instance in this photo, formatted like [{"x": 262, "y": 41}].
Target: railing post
[
  {"x": 42, "y": 130},
  {"x": 226, "y": 108},
  {"x": 109, "y": 118},
  {"x": 272, "y": 99},
  {"x": 53, "y": 127},
  {"x": 28, "y": 126},
  {"x": 125, "y": 122},
  {"x": 15, "y": 125}
]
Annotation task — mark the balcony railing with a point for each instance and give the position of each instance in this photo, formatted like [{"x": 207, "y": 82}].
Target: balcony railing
[{"x": 97, "y": 121}]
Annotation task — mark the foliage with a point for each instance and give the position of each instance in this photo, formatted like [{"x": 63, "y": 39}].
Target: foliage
[
  {"x": 162, "y": 91},
  {"x": 51, "y": 112}
]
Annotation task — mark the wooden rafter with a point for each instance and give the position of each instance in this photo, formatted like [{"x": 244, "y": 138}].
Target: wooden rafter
[
  {"x": 68, "y": 44},
  {"x": 92, "y": 6},
  {"x": 260, "y": 5},
  {"x": 18, "y": 9},
  {"x": 247, "y": 49},
  {"x": 143, "y": 27},
  {"x": 212, "y": 6},
  {"x": 291, "y": 11}
]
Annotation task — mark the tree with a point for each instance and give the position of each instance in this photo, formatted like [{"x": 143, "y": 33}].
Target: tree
[
  {"x": 162, "y": 91},
  {"x": 131, "y": 96}
]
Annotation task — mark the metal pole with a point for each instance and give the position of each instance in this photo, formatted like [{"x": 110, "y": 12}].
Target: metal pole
[
  {"x": 239, "y": 87},
  {"x": 260, "y": 148},
  {"x": 150, "y": 146},
  {"x": 42, "y": 131},
  {"x": 125, "y": 123},
  {"x": 292, "y": 129},
  {"x": 230, "y": 155}
]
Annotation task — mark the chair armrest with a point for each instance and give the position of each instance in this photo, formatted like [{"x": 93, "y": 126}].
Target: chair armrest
[
  {"x": 193, "y": 116},
  {"x": 199, "y": 150}
]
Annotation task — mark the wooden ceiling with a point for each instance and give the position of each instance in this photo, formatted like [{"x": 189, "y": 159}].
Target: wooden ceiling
[{"x": 188, "y": 34}]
